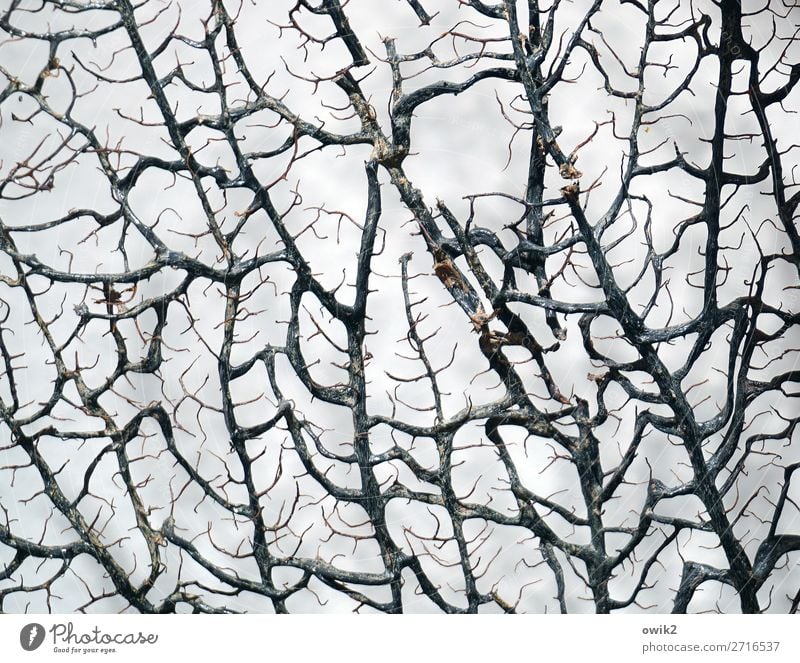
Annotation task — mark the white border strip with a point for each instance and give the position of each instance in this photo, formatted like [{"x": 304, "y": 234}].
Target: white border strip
[{"x": 402, "y": 639}]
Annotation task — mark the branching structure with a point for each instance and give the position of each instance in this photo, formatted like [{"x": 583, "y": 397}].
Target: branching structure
[{"x": 436, "y": 305}]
